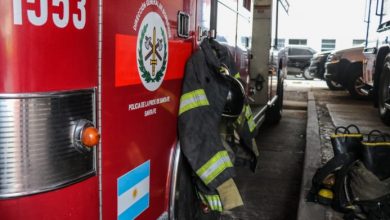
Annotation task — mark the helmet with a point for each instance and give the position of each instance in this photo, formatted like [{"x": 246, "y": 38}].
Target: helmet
[{"x": 235, "y": 98}]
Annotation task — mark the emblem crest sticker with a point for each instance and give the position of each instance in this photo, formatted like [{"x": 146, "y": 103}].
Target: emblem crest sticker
[{"x": 152, "y": 51}]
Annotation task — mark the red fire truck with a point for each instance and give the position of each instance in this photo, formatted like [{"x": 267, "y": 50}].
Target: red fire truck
[{"x": 72, "y": 71}]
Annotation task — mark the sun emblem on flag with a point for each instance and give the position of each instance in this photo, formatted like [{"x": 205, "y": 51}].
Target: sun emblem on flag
[
  {"x": 152, "y": 51},
  {"x": 135, "y": 193}
]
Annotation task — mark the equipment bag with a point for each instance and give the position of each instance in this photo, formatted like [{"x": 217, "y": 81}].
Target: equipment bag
[
  {"x": 376, "y": 154},
  {"x": 365, "y": 185},
  {"x": 344, "y": 141},
  {"x": 369, "y": 195}
]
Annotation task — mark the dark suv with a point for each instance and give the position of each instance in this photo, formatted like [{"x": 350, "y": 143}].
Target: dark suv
[{"x": 298, "y": 60}]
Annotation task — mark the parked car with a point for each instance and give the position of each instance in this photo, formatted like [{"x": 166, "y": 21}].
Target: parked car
[
  {"x": 346, "y": 68},
  {"x": 298, "y": 60},
  {"x": 317, "y": 64},
  {"x": 317, "y": 69}
]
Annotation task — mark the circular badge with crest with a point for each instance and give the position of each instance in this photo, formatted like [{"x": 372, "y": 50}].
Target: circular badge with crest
[{"x": 152, "y": 51}]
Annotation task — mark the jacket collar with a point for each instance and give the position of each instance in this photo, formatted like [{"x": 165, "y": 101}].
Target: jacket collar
[{"x": 214, "y": 52}]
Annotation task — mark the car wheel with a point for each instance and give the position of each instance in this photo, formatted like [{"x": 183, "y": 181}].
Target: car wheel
[
  {"x": 274, "y": 113},
  {"x": 383, "y": 93},
  {"x": 332, "y": 85},
  {"x": 355, "y": 82},
  {"x": 307, "y": 75}
]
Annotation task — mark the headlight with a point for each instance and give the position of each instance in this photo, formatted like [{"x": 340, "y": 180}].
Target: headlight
[{"x": 333, "y": 58}]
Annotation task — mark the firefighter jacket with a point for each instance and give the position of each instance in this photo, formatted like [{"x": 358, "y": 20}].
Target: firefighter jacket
[
  {"x": 201, "y": 106},
  {"x": 205, "y": 89}
]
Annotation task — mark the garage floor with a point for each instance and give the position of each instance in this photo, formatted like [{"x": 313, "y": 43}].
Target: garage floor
[{"x": 272, "y": 193}]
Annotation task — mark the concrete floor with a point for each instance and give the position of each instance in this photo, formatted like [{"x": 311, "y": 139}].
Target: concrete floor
[
  {"x": 272, "y": 193},
  {"x": 344, "y": 111}
]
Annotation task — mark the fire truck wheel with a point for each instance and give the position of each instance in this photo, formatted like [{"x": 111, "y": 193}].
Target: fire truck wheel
[
  {"x": 383, "y": 93},
  {"x": 274, "y": 113},
  {"x": 355, "y": 83},
  {"x": 332, "y": 85}
]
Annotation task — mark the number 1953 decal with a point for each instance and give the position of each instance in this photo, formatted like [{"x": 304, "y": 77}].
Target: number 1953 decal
[{"x": 40, "y": 15}]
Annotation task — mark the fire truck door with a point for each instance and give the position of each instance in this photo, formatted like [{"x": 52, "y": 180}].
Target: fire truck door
[{"x": 143, "y": 62}]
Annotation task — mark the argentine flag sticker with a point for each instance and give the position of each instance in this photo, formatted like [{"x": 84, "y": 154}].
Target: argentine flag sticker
[{"x": 133, "y": 192}]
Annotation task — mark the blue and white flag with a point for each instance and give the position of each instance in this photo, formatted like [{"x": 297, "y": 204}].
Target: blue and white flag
[{"x": 133, "y": 192}]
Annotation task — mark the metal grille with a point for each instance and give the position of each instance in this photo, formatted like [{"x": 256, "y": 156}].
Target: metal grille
[{"x": 36, "y": 141}]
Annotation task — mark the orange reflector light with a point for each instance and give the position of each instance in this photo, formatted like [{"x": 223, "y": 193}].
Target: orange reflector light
[{"x": 90, "y": 137}]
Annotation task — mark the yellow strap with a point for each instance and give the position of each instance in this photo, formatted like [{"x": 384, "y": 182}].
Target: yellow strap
[
  {"x": 377, "y": 144},
  {"x": 345, "y": 135}
]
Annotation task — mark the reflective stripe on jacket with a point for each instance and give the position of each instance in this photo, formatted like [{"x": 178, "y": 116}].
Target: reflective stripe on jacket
[{"x": 212, "y": 201}]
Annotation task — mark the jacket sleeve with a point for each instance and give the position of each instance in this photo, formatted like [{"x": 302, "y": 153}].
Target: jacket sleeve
[{"x": 198, "y": 128}]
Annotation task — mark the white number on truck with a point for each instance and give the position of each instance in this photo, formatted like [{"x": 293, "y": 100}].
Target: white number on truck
[{"x": 39, "y": 16}]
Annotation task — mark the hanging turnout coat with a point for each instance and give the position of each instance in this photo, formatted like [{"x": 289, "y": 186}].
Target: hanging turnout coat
[
  {"x": 205, "y": 89},
  {"x": 201, "y": 106}
]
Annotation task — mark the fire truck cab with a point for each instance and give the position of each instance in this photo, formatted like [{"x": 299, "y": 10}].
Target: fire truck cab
[{"x": 74, "y": 71}]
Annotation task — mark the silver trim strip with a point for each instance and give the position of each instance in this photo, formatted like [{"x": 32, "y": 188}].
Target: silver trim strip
[
  {"x": 54, "y": 187},
  {"x": 58, "y": 94},
  {"x": 273, "y": 100},
  {"x": 175, "y": 169},
  {"x": 260, "y": 121},
  {"x": 37, "y": 141},
  {"x": 259, "y": 114}
]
